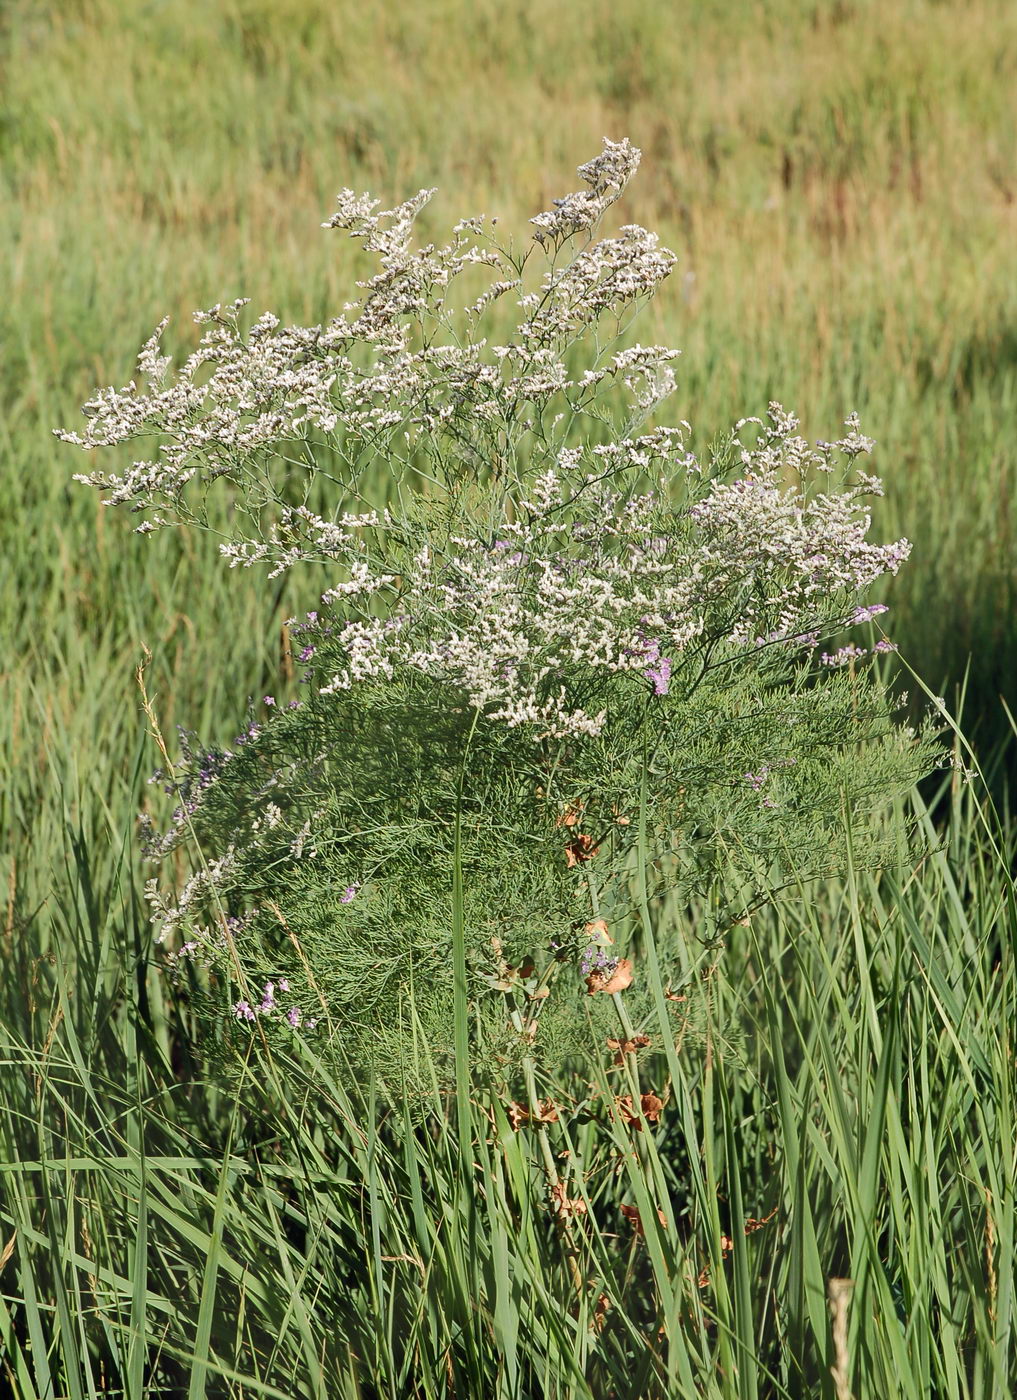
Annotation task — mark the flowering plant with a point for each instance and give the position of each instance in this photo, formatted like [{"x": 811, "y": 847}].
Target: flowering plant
[{"x": 560, "y": 654}]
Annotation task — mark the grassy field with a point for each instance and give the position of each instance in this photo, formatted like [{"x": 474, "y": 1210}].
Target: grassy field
[{"x": 840, "y": 183}]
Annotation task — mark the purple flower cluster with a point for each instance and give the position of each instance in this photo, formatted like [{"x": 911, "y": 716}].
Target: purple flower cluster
[
  {"x": 659, "y": 668},
  {"x": 269, "y": 1006},
  {"x": 866, "y": 614},
  {"x": 596, "y": 960},
  {"x": 756, "y": 780},
  {"x": 660, "y": 675},
  {"x": 843, "y": 656}
]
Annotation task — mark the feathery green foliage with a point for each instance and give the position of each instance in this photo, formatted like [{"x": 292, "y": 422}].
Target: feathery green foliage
[{"x": 535, "y": 630}]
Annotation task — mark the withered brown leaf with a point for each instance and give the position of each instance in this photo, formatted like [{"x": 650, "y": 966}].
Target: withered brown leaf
[
  {"x": 563, "y": 1205},
  {"x": 617, "y": 980},
  {"x": 727, "y": 1243},
  {"x": 622, "y": 1048},
  {"x": 600, "y": 1311},
  {"x": 519, "y": 1114},
  {"x": 650, "y": 1109},
  {"x": 581, "y": 849},
  {"x": 631, "y": 1214}
]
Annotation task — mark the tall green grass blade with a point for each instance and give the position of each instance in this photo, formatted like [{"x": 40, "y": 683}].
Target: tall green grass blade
[{"x": 202, "y": 1361}]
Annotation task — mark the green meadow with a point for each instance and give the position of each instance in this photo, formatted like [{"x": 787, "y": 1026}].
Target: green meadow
[{"x": 839, "y": 181}]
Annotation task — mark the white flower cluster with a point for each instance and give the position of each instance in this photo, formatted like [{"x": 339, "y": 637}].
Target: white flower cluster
[
  {"x": 604, "y": 277},
  {"x": 587, "y": 583},
  {"x": 606, "y": 175},
  {"x": 806, "y": 548},
  {"x": 302, "y": 535},
  {"x": 573, "y": 576},
  {"x": 409, "y": 283},
  {"x": 169, "y": 914},
  {"x": 243, "y": 396},
  {"x": 396, "y": 373}
]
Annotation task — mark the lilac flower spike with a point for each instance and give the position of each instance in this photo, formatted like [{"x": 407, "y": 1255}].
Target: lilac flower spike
[
  {"x": 866, "y": 614},
  {"x": 349, "y": 894},
  {"x": 243, "y": 1012},
  {"x": 660, "y": 675},
  {"x": 843, "y": 656},
  {"x": 597, "y": 960}
]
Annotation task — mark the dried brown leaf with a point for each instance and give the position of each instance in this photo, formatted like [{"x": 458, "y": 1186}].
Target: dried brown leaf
[
  {"x": 563, "y": 1205},
  {"x": 581, "y": 849},
  {"x": 600, "y": 1311},
  {"x": 751, "y": 1226},
  {"x": 622, "y": 1048},
  {"x": 727, "y": 1243},
  {"x": 518, "y": 1114},
  {"x": 652, "y": 1107},
  {"x": 610, "y": 982},
  {"x": 631, "y": 1214}
]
